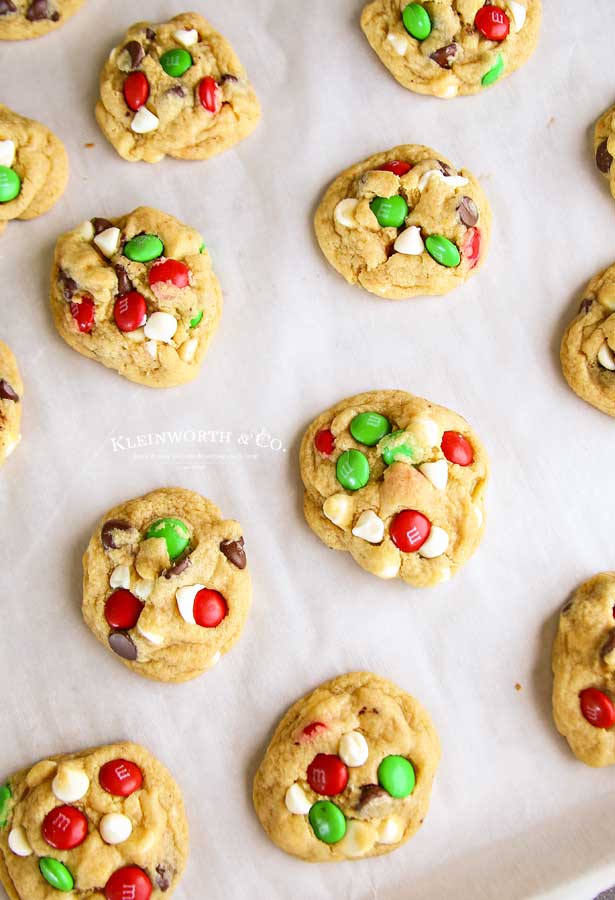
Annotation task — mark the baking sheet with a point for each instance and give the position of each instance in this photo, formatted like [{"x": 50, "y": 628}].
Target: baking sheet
[{"x": 513, "y": 815}]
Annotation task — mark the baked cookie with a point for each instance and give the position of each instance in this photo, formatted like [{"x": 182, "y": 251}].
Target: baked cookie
[
  {"x": 175, "y": 88},
  {"x": 33, "y": 167},
  {"x": 138, "y": 294},
  {"x": 604, "y": 146},
  {"x": 584, "y": 672},
  {"x": 588, "y": 346},
  {"x": 397, "y": 482},
  {"x": 11, "y": 392},
  {"x": 404, "y": 223},
  {"x": 348, "y": 772},
  {"x": 107, "y": 823},
  {"x": 23, "y": 19},
  {"x": 165, "y": 584},
  {"x": 452, "y": 47}
]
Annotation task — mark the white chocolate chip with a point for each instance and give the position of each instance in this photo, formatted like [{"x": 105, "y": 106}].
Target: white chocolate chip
[
  {"x": 115, "y": 828},
  {"x": 436, "y": 544},
  {"x": 188, "y": 350},
  {"x": 144, "y": 121},
  {"x": 448, "y": 90},
  {"x": 108, "y": 241},
  {"x": 160, "y": 326},
  {"x": 344, "y": 213},
  {"x": 152, "y": 348},
  {"x": 185, "y": 601},
  {"x": 338, "y": 509},
  {"x": 518, "y": 13},
  {"x": 359, "y": 839},
  {"x": 425, "y": 430},
  {"x": 398, "y": 42},
  {"x": 389, "y": 569},
  {"x": 353, "y": 749},
  {"x": 11, "y": 446},
  {"x": 296, "y": 801},
  {"x": 7, "y": 153},
  {"x": 70, "y": 784},
  {"x": 86, "y": 230},
  {"x": 187, "y": 37},
  {"x": 391, "y": 831},
  {"x": 452, "y": 180},
  {"x": 436, "y": 472},
  {"x": 151, "y": 636},
  {"x": 369, "y": 527},
  {"x": 18, "y": 841},
  {"x": 214, "y": 660},
  {"x": 143, "y": 589},
  {"x": 120, "y": 577},
  {"x": 410, "y": 242},
  {"x": 137, "y": 336},
  {"x": 479, "y": 515},
  {"x": 606, "y": 357}
]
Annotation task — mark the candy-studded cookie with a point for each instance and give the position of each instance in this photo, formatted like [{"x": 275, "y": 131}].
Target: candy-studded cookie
[
  {"x": 107, "y": 823},
  {"x": 348, "y": 772},
  {"x": 175, "y": 88},
  {"x": 11, "y": 392},
  {"x": 397, "y": 482},
  {"x": 584, "y": 672},
  {"x": 23, "y": 19},
  {"x": 588, "y": 346},
  {"x": 166, "y": 585},
  {"x": 404, "y": 223},
  {"x": 604, "y": 146},
  {"x": 452, "y": 47},
  {"x": 138, "y": 294},
  {"x": 33, "y": 167}
]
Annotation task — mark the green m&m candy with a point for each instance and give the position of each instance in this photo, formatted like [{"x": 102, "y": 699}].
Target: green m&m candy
[
  {"x": 352, "y": 470},
  {"x": 369, "y": 427},
  {"x": 443, "y": 251},
  {"x": 391, "y": 212},
  {"x": 10, "y": 184},
  {"x": 5, "y": 796},
  {"x": 56, "y": 874},
  {"x": 197, "y": 319},
  {"x": 176, "y": 62},
  {"x": 144, "y": 248},
  {"x": 396, "y": 776},
  {"x": 416, "y": 21},
  {"x": 202, "y": 248},
  {"x": 174, "y": 532},
  {"x": 328, "y": 821},
  {"x": 396, "y": 447},
  {"x": 494, "y": 73}
]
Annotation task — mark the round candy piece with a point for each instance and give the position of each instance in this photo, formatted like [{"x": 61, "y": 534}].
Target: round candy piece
[
  {"x": 316, "y": 727},
  {"x": 144, "y": 248},
  {"x": 352, "y": 470},
  {"x": 443, "y": 251},
  {"x": 64, "y": 828},
  {"x": 175, "y": 62},
  {"x": 56, "y": 874},
  {"x": 170, "y": 270},
  {"x": 174, "y": 532},
  {"x": 122, "y": 644},
  {"x": 391, "y": 212},
  {"x": 84, "y": 314},
  {"x": 130, "y": 311},
  {"x": 10, "y": 184},
  {"x": 129, "y": 883},
  {"x": 416, "y": 21},
  {"x": 392, "y": 452},
  {"x": 494, "y": 73},
  {"x": 325, "y": 442},
  {"x": 492, "y": 22},
  {"x": 5, "y": 796},
  {"x": 328, "y": 821},
  {"x": 122, "y": 609},
  {"x": 471, "y": 246},
  {"x": 196, "y": 320},
  {"x": 397, "y": 167},
  {"x": 409, "y": 530},
  {"x": 136, "y": 90},
  {"x": 396, "y": 776},
  {"x": 597, "y": 708},
  {"x": 210, "y": 608},
  {"x": 369, "y": 427},
  {"x": 210, "y": 95},
  {"x": 120, "y": 777},
  {"x": 457, "y": 448},
  {"x": 327, "y": 774}
]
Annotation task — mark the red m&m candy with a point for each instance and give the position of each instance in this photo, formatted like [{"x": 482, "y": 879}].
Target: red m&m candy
[
  {"x": 210, "y": 95},
  {"x": 209, "y": 608},
  {"x": 136, "y": 90},
  {"x": 597, "y": 708},
  {"x": 84, "y": 314},
  {"x": 129, "y": 883},
  {"x": 122, "y": 609},
  {"x": 457, "y": 448},
  {"x": 130, "y": 311},
  {"x": 313, "y": 728},
  {"x": 397, "y": 167},
  {"x": 470, "y": 246},
  {"x": 120, "y": 777},
  {"x": 492, "y": 22},
  {"x": 325, "y": 442},
  {"x": 327, "y": 774},
  {"x": 65, "y": 828},
  {"x": 170, "y": 270},
  {"x": 409, "y": 530}
]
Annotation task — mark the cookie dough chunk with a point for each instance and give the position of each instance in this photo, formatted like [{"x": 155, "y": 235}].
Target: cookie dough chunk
[
  {"x": 105, "y": 823},
  {"x": 138, "y": 294},
  {"x": 11, "y": 392},
  {"x": 175, "y": 88},
  {"x": 397, "y": 482},
  {"x": 404, "y": 223},
  {"x": 588, "y": 346},
  {"x": 166, "y": 585},
  {"x": 584, "y": 672},
  {"x": 604, "y": 146},
  {"x": 452, "y": 47},
  {"x": 33, "y": 167},
  {"x": 23, "y": 19},
  {"x": 349, "y": 770}
]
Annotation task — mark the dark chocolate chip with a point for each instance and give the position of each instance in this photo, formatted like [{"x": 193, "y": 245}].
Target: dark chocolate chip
[
  {"x": 7, "y": 6},
  {"x": 567, "y": 606},
  {"x": 609, "y": 644},
  {"x": 177, "y": 90},
  {"x": 445, "y": 56},
  {"x": 468, "y": 212},
  {"x": 68, "y": 284},
  {"x": 55, "y": 17},
  {"x": 106, "y": 534},
  {"x": 164, "y": 876},
  {"x": 136, "y": 53},
  {"x": 122, "y": 644},
  {"x": 234, "y": 552},
  {"x": 178, "y": 568},
  {"x": 101, "y": 225},
  {"x": 446, "y": 169},
  {"x": 150, "y": 34},
  {"x": 228, "y": 77},
  {"x": 124, "y": 284},
  {"x": 370, "y": 792},
  {"x": 586, "y": 305},
  {"x": 604, "y": 160},
  {"x": 7, "y": 392},
  {"x": 38, "y": 9}
]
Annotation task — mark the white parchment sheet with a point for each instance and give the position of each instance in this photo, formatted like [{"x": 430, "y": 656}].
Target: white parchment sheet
[{"x": 513, "y": 815}]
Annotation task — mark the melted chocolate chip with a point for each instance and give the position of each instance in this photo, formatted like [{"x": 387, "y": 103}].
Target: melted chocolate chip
[
  {"x": 150, "y": 34},
  {"x": 604, "y": 160},
  {"x": 586, "y": 305},
  {"x": 69, "y": 285},
  {"x": 468, "y": 212},
  {"x": 38, "y": 10},
  {"x": 106, "y": 534},
  {"x": 135, "y": 52},
  {"x": 446, "y": 169},
  {"x": 164, "y": 875},
  {"x": 101, "y": 225},
  {"x": 370, "y": 792},
  {"x": 6, "y": 6},
  {"x": 178, "y": 568},
  {"x": 124, "y": 284},
  {"x": 7, "y": 392},
  {"x": 234, "y": 552},
  {"x": 122, "y": 644},
  {"x": 609, "y": 644},
  {"x": 228, "y": 77},
  {"x": 177, "y": 91},
  {"x": 445, "y": 56}
]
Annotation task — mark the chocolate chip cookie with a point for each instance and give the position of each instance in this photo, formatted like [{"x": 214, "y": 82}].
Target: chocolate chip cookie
[
  {"x": 604, "y": 146},
  {"x": 11, "y": 392},
  {"x": 584, "y": 672},
  {"x": 138, "y": 294},
  {"x": 348, "y": 772},
  {"x": 404, "y": 223},
  {"x": 166, "y": 585},
  {"x": 23, "y": 19},
  {"x": 398, "y": 483},
  {"x": 588, "y": 346},
  {"x": 33, "y": 167},
  {"x": 104, "y": 823},
  {"x": 452, "y": 47},
  {"x": 175, "y": 88}
]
